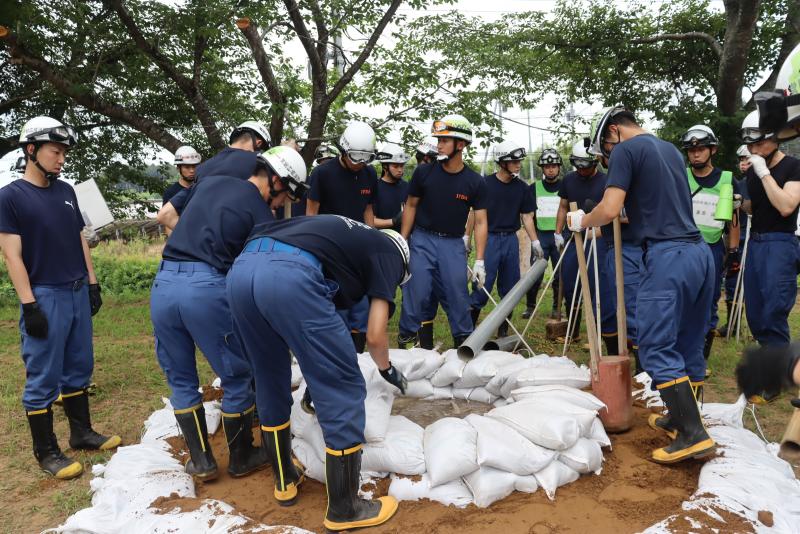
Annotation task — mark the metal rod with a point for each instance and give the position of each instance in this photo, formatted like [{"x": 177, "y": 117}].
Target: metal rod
[{"x": 473, "y": 345}]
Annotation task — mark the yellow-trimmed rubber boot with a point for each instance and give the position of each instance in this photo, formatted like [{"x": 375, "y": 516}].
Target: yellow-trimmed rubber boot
[
  {"x": 287, "y": 471},
  {"x": 425, "y": 335},
  {"x": 692, "y": 440},
  {"x": 202, "y": 463},
  {"x": 46, "y": 449},
  {"x": 346, "y": 510},
  {"x": 81, "y": 434},
  {"x": 664, "y": 422},
  {"x": 244, "y": 458}
]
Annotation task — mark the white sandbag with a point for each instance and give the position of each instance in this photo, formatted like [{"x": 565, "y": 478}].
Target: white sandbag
[
  {"x": 484, "y": 367},
  {"x": 725, "y": 414},
  {"x": 401, "y": 452},
  {"x": 419, "y": 389},
  {"x": 559, "y": 392},
  {"x": 496, "y": 383},
  {"x": 554, "y": 374},
  {"x": 377, "y": 408},
  {"x": 406, "y": 489},
  {"x": 584, "y": 457},
  {"x": 501, "y": 402},
  {"x": 474, "y": 394},
  {"x": 312, "y": 458},
  {"x": 598, "y": 434},
  {"x": 582, "y": 416},
  {"x": 552, "y": 430},
  {"x": 502, "y": 447},
  {"x": 555, "y": 475},
  {"x": 488, "y": 485},
  {"x": 416, "y": 363},
  {"x": 526, "y": 484},
  {"x": 301, "y": 421},
  {"x": 441, "y": 393},
  {"x": 450, "y": 370},
  {"x": 450, "y": 450},
  {"x": 297, "y": 376}
]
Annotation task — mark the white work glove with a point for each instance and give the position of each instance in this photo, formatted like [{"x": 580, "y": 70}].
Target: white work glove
[
  {"x": 759, "y": 165},
  {"x": 91, "y": 236},
  {"x": 737, "y": 201},
  {"x": 559, "y": 240},
  {"x": 574, "y": 219},
  {"x": 536, "y": 249},
  {"x": 467, "y": 246},
  {"x": 479, "y": 273}
]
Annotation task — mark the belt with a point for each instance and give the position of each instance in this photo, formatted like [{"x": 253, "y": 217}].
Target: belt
[
  {"x": 439, "y": 234},
  {"x": 75, "y": 285},
  {"x": 510, "y": 232},
  {"x": 688, "y": 240},
  {"x": 188, "y": 267},
  {"x": 772, "y": 236},
  {"x": 268, "y": 244}
]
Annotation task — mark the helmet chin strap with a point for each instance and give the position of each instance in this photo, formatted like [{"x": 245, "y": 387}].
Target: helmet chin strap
[
  {"x": 445, "y": 157},
  {"x": 771, "y": 155},
  {"x": 50, "y": 176}
]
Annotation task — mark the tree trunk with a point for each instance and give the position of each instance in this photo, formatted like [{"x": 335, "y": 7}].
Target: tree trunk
[{"x": 741, "y": 22}]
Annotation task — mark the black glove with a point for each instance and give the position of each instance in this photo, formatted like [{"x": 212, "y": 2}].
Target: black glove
[
  {"x": 35, "y": 320},
  {"x": 395, "y": 378},
  {"x": 795, "y": 402},
  {"x": 95, "y": 300},
  {"x": 397, "y": 221},
  {"x": 589, "y": 205},
  {"x": 766, "y": 371},
  {"x": 733, "y": 261}
]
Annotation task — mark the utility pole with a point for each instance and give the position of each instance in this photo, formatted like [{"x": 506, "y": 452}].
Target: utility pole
[{"x": 530, "y": 150}]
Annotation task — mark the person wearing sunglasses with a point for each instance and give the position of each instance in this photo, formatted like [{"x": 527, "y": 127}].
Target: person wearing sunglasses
[
  {"x": 508, "y": 199},
  {"x": 189, "y": 307},
  {"x": 440, "y": 197},
  {"x": 585, "y": 186},
  {"x": 237, "y": 159},
  {"x": 770, "y": 279},
  {"x": 50, "y": 266},
  {"x": 347, "y": 186}
]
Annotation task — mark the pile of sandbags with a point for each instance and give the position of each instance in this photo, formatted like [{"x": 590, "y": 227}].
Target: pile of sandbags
[{"x": 543, "y": 431}]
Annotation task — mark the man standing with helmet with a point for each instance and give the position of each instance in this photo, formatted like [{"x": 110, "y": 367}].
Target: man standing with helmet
[
  {"x": 439, "y": 200},
  {"x": 585, "y": 186},
  {"x": 507, "y": 199},
  {"x": 284, "y": 290},
  {"x": 647, "y": 177},
  {"x": 347, "y": 186},
  {"x": 770, "y": 280},
  {"x": 48, "y": 262},
  {"x": 546, "y": 202},
  {"x": 391, "y": 190},
  {"x": 189, "y": 307},
  {"x": 186, "y": 160},
  {"x": 712, "y": 193}
]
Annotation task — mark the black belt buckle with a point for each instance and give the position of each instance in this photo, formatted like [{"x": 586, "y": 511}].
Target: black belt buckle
[{"x": 77, "y": 285}]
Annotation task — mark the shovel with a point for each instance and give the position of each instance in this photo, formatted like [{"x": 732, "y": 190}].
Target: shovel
[{"x": 611, "y": 375}]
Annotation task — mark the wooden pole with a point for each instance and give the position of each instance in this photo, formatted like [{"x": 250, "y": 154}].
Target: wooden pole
[
  {"x": 622, "y": 327},
  {"x": 591, "y": 327}
]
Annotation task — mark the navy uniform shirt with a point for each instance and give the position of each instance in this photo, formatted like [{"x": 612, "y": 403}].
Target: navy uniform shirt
[
  {"x": 658, "y": 201},
  {"x": 220, "y": 214},
  {"x": 228, "y": 162},
  {"x": 550, "y": 187},
  {"x": 505, "y": 202},
  {"x": 361, "y": 260},
  {"x": 390, "y": 198},
  {"x": 445, "y": 198},
  {"x": 49, "y": 223},
  {"x": 171, "y": 191},
  {"x": 340, "y": 191},
  {"x": 576, "y": 188},
  {"x": 765, "y": 217}
]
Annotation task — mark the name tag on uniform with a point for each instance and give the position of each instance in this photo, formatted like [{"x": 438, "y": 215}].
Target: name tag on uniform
[
  {"x": 547, "y": 206},
  {"x": 705, "y": 205}
]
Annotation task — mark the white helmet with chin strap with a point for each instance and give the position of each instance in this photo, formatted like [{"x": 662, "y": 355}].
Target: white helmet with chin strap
[
  {"x": 580, "y": 157},
  {"x": 187, "y": 155},
  {"x": 358, "y": 142},
  {"x": 509, "y": 151},
  {"x": 40, "y": 130},
  {"x": 256, "y": 129},
  {"x": 392, "y": 153},
  {"x": 750, "y": 132},
  {"x": 402, "y": 246},
  {"x": 289, "y": 166},
  {"x": 429, "y": 147}
]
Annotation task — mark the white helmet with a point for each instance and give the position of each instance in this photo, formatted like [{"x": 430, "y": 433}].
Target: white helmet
[
  {"x": 750, "y": 131},
  {"x": 392, "y": 153},
  {"x": 742, "y": 152},
  {"x": 325, "y": 152},
  {"x": 47, "y": 130},
  {"x": 455, "y": 126},
  {"x": 429, "y": 147},
  {"x": 256, "y": 128},
  {"x": 509, "y": 151},
  {"x": 699, "y": 135},
  {"x": 187, "y": 155},
  {"x": 779, "y": 110},
  {"x": 594, "y": 143},
  {"x": 358, "y": 142},
  {"x": 580, "y": 157},
  {"x": 289, "y": 166},
  {"x": 402, "y": 246}
]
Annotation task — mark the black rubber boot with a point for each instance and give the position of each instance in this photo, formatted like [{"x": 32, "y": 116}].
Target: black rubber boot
[
  {"x": 359, "y": 340},
  {"x": 405, "y": 339},
  {"x": 710, "y": 335},
  {"x": 425, "y": 335},
  {"x": 346, "y": 510},
  {"x": 307, "y": 403},
  {"x": 611, "y": 342},
  {"x": 528, "y": 312},
  {"x": 46, "y": 449},
  {"x": 722, "y": 331},
  {"x": 638, "y": 369},
  {"x": 692, "y": 440},
  {"x": 474, "y": 314},
  {"x": 458, "y": 341},
  {"x": 287, "y": 472},
  {"x": 81, "y": 435},
  {"x": 530, "y": 301},
  {"x": 193, "y": 427},
  {"x": 665, "y": 423},
  {"x": 556, "y": 309},
  {"x": 244, "y": 458},
  {"x": 502, "y": 330}
]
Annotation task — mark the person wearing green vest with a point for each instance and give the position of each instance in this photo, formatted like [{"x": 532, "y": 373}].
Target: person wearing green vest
[
  {"x": 712, "y": 203},
  {"x": 546, "y": 201}
]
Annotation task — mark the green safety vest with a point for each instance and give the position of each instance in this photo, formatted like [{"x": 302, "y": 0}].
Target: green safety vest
[
  {"x": 704, "y": 206},
  {"x": 546, "y": 207}
]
